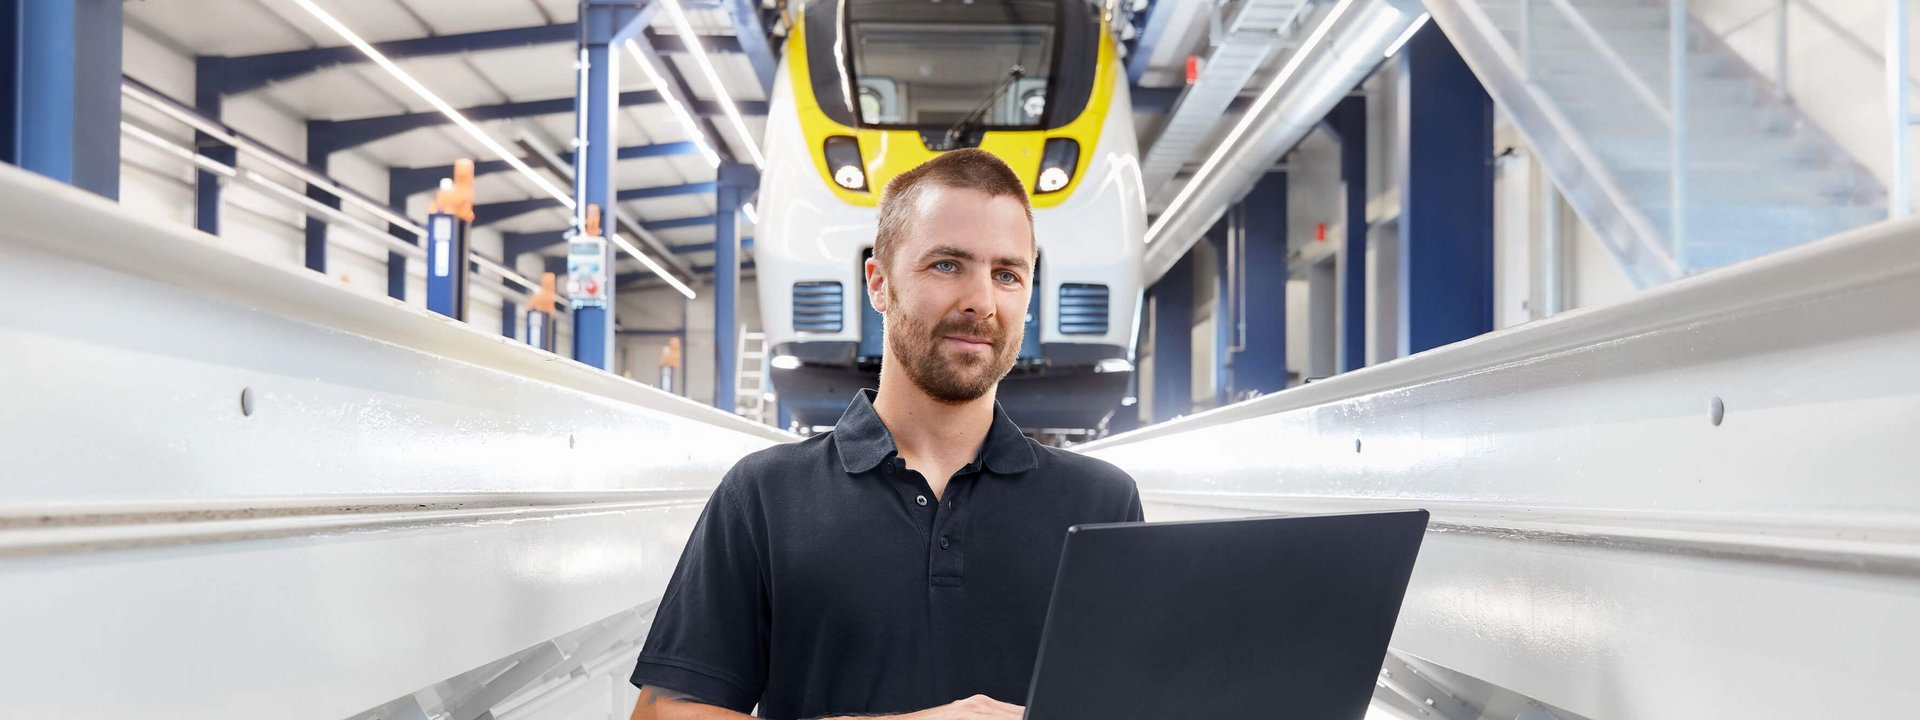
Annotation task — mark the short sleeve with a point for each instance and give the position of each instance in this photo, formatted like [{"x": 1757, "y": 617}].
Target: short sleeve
[{"x": 709, "y": 637}]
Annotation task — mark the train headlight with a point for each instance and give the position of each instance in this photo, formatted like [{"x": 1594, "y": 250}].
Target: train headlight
[
  {"x": 843, "y": 160},
  {"x": 1057, "y": 163}
]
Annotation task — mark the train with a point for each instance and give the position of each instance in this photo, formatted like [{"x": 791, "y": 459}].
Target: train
[{"x": 868, "y": 89}]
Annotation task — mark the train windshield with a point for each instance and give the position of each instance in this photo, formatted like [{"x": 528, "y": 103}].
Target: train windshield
[{"x": 989, "y": 64}]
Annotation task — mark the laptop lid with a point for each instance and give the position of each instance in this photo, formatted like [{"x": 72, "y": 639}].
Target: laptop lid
[{"x": 1272, "y": 617}]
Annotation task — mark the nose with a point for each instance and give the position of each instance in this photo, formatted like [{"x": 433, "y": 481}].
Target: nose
[{"x": 978, "y": 301}]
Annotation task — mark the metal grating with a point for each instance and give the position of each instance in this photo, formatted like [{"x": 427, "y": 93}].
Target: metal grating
[
  {"x": 817, "y": 306},
  {"x": 1083, "y": 309}
]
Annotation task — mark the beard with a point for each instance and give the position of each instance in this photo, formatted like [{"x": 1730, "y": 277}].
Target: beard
[{"x": 950, "y": 375}]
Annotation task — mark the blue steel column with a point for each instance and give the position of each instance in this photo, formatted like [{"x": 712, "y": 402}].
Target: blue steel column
[
  {"x": 63, "y": 108},
  {"x": 601, "y": 26},
  {"x": 319, "y": 151},
  {"x": 1261, "y": 363},
  {"x": 1173, "y": 341},
  {"x": 11, "y": 64},
  {"x": 736, "y": 183},
  {"x": 1348, "y": 121},
  {"x": 1446, "y": 196},
  {"x": 208, "y": 96},
  {"x": 397, "y": 263},
  {"x": 1225, "y": 331}
]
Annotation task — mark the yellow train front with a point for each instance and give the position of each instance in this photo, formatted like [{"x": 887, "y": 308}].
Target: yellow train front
[{"x": 868, "y": 89}]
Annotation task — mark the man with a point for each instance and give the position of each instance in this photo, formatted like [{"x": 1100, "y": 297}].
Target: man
[{"x": 903, "y": 562}]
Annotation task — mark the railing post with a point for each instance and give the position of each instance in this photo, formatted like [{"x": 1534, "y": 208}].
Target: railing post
[
  {"x": 1900, "y": 196},
  {"x": 1678, "y": 42}
]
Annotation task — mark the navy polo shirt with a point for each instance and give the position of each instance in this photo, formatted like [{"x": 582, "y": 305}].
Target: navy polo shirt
[{"x": 823, "y": 577}]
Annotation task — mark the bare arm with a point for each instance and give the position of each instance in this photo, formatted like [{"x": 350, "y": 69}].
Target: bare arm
[{"x": 664, "y": 704}]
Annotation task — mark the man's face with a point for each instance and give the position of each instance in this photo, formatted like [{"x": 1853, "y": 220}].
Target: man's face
[{"x": 955, "y": 296}]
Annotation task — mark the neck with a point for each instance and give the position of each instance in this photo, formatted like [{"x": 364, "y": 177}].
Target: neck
[{"x": 926, "y": 429}]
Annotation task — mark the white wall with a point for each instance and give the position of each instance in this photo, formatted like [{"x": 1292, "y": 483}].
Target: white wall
[
  {"x": 1206, "y": 290},
  {"x": 1313, "y": 192}
]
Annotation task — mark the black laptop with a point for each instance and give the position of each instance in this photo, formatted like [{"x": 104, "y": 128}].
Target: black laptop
[{"x": 1274, "y": 617}]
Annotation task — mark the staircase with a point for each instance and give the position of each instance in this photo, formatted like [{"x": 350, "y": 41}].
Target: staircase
[
  {"x": 1590, "y": 83},
  {"x": 750, "y": 383}
]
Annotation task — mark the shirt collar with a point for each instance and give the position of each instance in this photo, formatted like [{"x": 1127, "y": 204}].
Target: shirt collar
[{"x": 864, "y": 441}]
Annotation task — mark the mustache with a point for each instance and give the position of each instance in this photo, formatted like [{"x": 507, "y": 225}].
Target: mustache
[{"x": 991, "y": 332}]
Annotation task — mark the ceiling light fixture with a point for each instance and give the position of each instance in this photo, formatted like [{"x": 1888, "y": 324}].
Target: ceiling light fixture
[
  {"x": 498, "y": 150},
  {"x": 680, "y": 110},
  {"x": 651, "y": 265},
  {"x": 1246, "y": 121},
  {"x": 713, "y": 78}
]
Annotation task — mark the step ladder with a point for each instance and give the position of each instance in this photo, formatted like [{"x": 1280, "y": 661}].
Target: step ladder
[{"x": 750, "y": 377}]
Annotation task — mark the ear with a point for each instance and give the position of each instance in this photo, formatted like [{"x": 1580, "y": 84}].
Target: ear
[{"x": 876, "y": 286}]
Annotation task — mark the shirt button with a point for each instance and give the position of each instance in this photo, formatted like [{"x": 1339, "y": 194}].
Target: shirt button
[
  {"x": 943, "y": 542},
  {"x": 922, "y": 499}
]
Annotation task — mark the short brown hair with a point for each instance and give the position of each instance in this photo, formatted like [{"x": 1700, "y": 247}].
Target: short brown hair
[{"x": 969, "y": 169}]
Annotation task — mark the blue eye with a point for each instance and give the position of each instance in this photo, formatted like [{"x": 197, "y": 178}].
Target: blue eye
[
  {"x": 946, "y": 266},
  {"x": 1007, "y": 276}
]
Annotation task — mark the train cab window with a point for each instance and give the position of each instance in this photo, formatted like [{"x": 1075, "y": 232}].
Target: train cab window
[
  {"x": 880, "y": 100},
  {"x": 955, "y": 73},
  {"x": 914, "y": 64}
]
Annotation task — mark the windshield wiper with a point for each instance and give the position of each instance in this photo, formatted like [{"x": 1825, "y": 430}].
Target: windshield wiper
[{"x": 966, "y": 124}]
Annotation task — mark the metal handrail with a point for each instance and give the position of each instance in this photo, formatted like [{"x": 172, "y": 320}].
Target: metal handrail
[
  {"x": 332, "y": 214},
  {"x": 1592, "y": 35},
  {"x": 151, "y": 98}
]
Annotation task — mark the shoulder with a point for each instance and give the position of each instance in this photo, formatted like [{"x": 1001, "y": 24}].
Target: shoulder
[
  {"x": 1094, "y": 474},
  {"x": 776, "y": 467}
]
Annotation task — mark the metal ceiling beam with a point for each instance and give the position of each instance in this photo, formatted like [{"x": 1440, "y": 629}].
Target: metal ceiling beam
[
  {"x": 752, "y": 35},
  {"x": 242, "y": 73},
  {"x": 411, "y": 180},
  {"x": 678, "y": 89},
  {"x": 516, "y": 243},
  {"x": 489, "y": 213},
  {"x": 525, "y": 242},
  {"x": 360, "y": 131},
  {"x": 676, "y": 223},
  {"x": 622, "y": 222},
  {"x": 745, "y": 244}
]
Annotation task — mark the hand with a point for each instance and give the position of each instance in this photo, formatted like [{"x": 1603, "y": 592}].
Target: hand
[{"x": 978, "y": 707}]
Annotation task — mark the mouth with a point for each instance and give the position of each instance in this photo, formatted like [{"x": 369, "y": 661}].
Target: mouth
[{"x": 969, "y": 343}]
